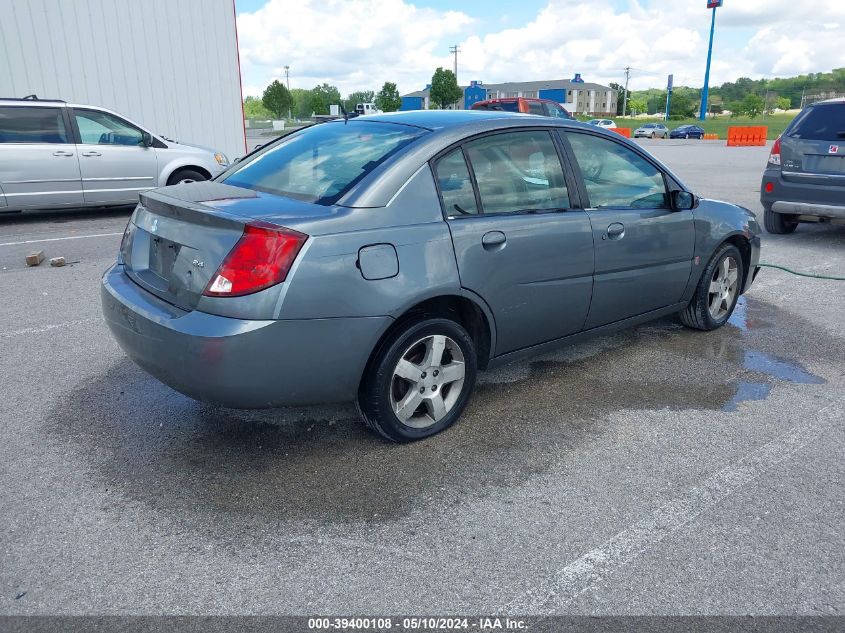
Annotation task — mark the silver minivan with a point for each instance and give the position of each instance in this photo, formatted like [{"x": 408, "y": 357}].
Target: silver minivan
[{"x": 55, "y": 154}]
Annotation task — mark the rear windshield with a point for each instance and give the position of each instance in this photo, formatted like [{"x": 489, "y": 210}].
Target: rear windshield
[
  {"x": 499, "y": 106},
  {"x": 321, "y": 163},
  {"x": 820, "y": 123}
]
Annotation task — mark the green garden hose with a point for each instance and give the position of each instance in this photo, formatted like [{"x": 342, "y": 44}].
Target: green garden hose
[{"x": 795, "y": 272}]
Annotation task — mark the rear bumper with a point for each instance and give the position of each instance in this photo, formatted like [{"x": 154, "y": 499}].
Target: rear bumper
[
  {"x": 239, "y": 363},
  {"x": 794, "y": 198}
]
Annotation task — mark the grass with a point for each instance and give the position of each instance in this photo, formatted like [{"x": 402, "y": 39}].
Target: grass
[{"x": 776, "y": 123}]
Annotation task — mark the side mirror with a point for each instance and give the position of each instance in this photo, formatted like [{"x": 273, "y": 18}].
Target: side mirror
[
  {"x": 684, "y": 200},
  {"x": 146, "y": 139}
]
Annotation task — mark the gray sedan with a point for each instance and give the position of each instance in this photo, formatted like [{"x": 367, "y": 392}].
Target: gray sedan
[{"x": 385, "y": 260}]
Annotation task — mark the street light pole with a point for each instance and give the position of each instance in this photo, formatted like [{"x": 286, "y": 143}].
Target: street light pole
[
  {"x": 702, "y": 111},
  {"x": 287, "y": 81}
]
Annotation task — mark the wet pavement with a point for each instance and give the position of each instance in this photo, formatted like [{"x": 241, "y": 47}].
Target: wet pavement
[{"x": 122, "y": 495}]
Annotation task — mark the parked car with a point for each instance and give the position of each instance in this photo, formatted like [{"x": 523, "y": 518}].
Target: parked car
[
  {"x": 55, "y": 154},
  {"x": 652, "y": 130},
  {"x": 526, "y": 105},
  {"x": 387, "y": 259},
  {"x": 804, "y": 180},
  {"x": 687, "y": 131},
  {"x": 605, "y": 123}
]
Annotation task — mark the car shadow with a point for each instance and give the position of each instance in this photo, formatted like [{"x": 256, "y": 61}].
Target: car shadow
[{"x": 152, "y": 445}]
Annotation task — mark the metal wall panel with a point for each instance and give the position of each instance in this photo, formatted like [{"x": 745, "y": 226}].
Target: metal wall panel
[{"x": 170, "y": 65}]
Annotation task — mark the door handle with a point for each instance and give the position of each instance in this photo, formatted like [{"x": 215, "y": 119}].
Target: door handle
[
  {"x": 493, "y": 240},
  {"x": 91, "y": 154},
  {"x": 616, "y": 231},
  {"x": 62, "y": 152}
]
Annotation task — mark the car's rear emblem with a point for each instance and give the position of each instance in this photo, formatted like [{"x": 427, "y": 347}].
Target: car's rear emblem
[
  {"x": 834, "y": 149},
  {"x": 154, "y": 226}
]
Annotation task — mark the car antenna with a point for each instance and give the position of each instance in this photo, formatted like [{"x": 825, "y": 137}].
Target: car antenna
[{"x": 345, "y": 115}]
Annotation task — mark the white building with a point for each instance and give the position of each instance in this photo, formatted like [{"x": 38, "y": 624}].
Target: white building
[{"x": 170, "y": 65}]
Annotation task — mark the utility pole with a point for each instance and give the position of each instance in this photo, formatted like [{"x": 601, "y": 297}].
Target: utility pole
[
  {"x": 702, "y": 111},
  {"x": 455, "y": 49},
  {"x": 625, "y": 98},
  {"x": 287, "y": 81}
]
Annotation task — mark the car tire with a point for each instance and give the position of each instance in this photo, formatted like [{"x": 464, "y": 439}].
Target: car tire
[
  {"x": 185, "y": 175},
  {"x": 653, "y": 135},
  {"x": 778, "y": 223},
  {"x": 404, "y": 370},
  {"x": 686, "y": 136},
  {"x": 717, "y": 291}
]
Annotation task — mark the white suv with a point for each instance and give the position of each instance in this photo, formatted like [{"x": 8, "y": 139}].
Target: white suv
[{"x": 55, "y": 154}]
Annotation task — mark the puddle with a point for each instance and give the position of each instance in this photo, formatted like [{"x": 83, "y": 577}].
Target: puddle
[
  {"x": 747, "y": 392},
  {"x": 319, "y": 465},
  {"x": 778, "y": 368}
]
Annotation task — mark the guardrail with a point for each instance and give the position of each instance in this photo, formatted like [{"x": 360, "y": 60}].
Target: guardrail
[{"x": 747, "y": 136}]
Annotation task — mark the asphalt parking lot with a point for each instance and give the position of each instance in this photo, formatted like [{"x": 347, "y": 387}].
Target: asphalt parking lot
[{"x": 657, "y": 471}]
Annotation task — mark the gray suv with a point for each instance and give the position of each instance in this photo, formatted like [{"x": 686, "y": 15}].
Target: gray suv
[
  {"x": 805, "y": 178},
  {"x": 55, "y": 154}
]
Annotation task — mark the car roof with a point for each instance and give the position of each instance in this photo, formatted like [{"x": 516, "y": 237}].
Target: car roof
[{"x": 440, "y": 119}]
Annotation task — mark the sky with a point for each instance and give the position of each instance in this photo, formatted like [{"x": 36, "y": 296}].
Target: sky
[{"x": 360, "y": 44}]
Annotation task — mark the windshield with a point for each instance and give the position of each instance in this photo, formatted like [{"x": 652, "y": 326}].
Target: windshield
[{"x": 321, "y": 163}]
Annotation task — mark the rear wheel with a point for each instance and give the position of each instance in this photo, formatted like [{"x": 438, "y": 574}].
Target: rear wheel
[
  {"x": 181, "y": 176},
  {"x": 717, "y": 291},
  {"x": 419, "y": 381},
  {"x": 778, "y": 223}
]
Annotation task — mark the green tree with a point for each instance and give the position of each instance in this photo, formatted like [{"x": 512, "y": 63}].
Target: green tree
[
  {"x": 277, "y": 99},
  {"x": 637, "y": 106},
  {"x": 388, "y": 99},
  {"x": 752, "y": 106},
  {"x": 329, "y": 94},
  {"x": 301, "y": 103},
  {"x": 444, "y": 88},
  {"x": 361, "y": 96},
  {"x": 783, "y": 103},
  {"x": 318, "y": 103},
  {"x": 682, "y": 106},
  {"x": 620, "y": 101},
  {"x": 254, "y": 109}
]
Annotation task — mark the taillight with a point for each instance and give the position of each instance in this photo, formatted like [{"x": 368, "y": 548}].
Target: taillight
[
  {"x": 774, "y": 157},
  {"x": 261, "y": 258}
]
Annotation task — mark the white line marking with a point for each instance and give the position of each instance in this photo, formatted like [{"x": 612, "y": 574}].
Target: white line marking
[
  {"x": 56, "y": 239},
  {"x": 584, "y": 573},
  {"x": 47, "y": 328}
]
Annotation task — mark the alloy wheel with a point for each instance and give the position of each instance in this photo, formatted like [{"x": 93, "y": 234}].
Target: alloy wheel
[
  {"x": 427, "y": 381},
  {"x": 723, "y": 288}
]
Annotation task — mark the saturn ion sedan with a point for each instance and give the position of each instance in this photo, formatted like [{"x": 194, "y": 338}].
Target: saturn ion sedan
[{"x": 386, "y": 259}]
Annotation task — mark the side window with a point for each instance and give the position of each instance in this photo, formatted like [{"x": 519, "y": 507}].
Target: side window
[
  {"x": 21, "y": 124},
  {"x": 99, "y": 128},
  {"x": 518, "y": 171},
  {"x": 536, "y": 108},
  {"x": 455, "y": 185},
  {"x": 616, "y": 176}
]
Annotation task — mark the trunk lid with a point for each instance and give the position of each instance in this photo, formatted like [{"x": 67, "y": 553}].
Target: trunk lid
[{"x": 179, "y": 235}]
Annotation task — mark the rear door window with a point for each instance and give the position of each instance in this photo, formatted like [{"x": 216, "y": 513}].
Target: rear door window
[
  {"x": 518, "y": 171},
  {"x": 820, "y": 123},
  {"x": 321, "y": 163},
  {"x": 21, "y": 124},
  {"x": 455, "y": 185}
]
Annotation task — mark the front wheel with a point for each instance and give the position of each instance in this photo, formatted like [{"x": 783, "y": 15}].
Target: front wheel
[
  {"x": 686, "y": 136},
  {"x": 419, "y": 380},
  {"x": 778, "y": 223},
  {"x": 183, "y": 176},
  {"x": 717, "y": 291}
]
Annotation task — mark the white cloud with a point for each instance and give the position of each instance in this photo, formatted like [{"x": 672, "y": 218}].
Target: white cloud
[{"x": 359, "y": 45}]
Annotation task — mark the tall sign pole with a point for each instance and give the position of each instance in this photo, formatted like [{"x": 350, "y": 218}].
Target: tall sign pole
[
  {"x": 713, "y": 5},
  {"x": 669, "y": 86}
]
